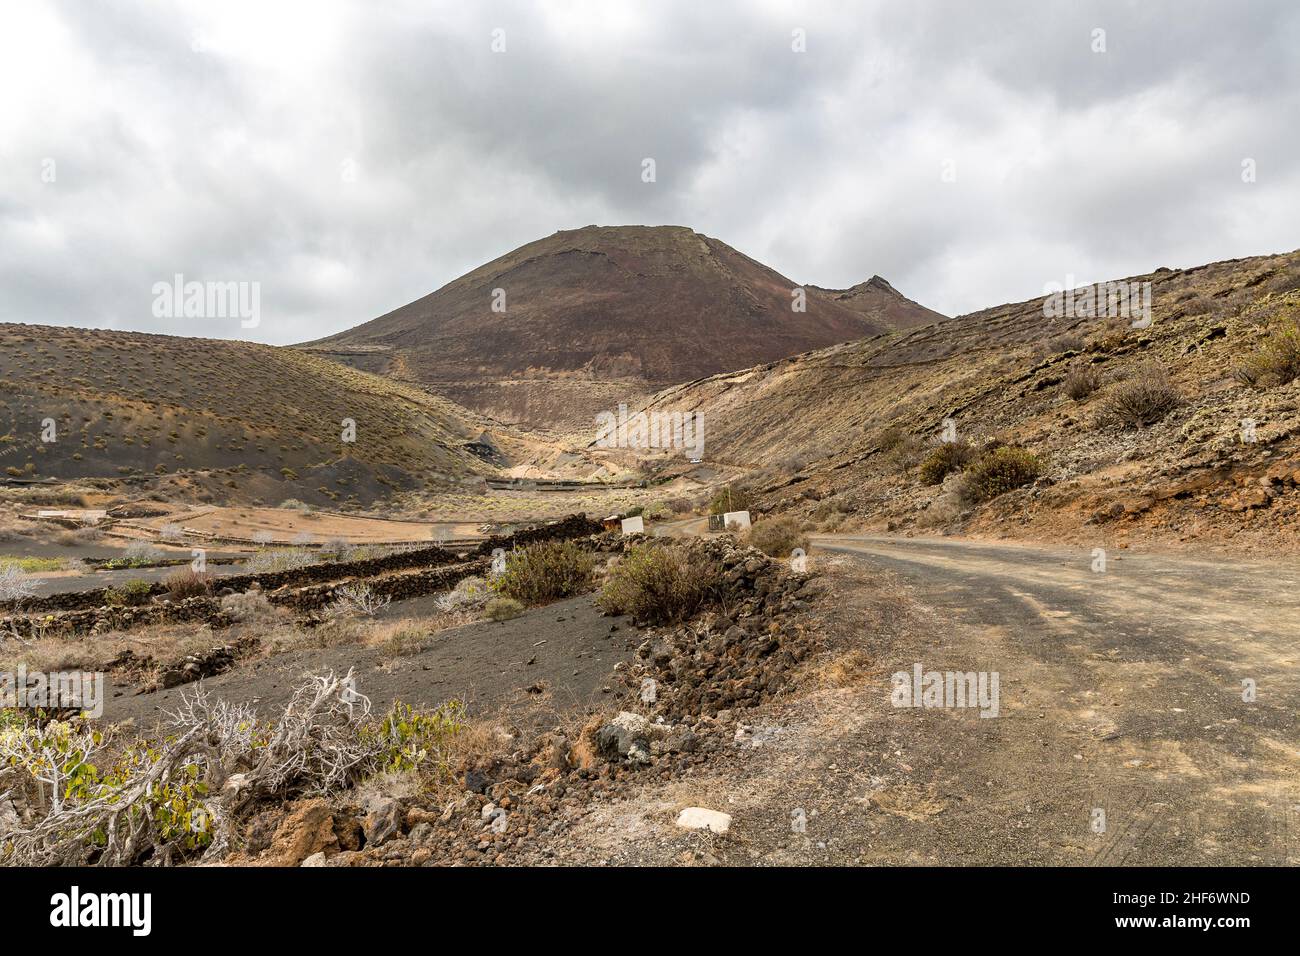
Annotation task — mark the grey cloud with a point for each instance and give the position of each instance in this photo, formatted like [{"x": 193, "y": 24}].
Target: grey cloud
[{"x": 227, "y": 162}]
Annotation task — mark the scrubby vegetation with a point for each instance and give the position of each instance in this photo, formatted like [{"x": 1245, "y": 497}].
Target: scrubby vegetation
[
  {"x": 34, "y": 565},
  {"x": 14, "y": 585},
  {"x": 168, "y": 800},
  {"x": 731, "y": 498},
  {"x": 658, "y": 584},
  {"x": 946, "y": 457},
  {"x": 1276, "y": 361},
  {"x": 999, "y": 471},
  {"x": 469, "y": 592},
  {"x": 187, "y": 583},
  {"x": 133, "y": 593},
  {"x": 281, "y": 559},
  {"x": 502, "y": 609},
  {"x": 546, "y": 572},
  {"x": 777, "y": 537},
  {"x": 138, "y": 554},
  {"x": 901, "y": 452},
  {"x": 1143, "y": 399},
  {"x": 357, "y": 600},
  {"x": 1080, "y": 382}
]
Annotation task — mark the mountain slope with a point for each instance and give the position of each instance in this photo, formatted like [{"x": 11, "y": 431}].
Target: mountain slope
[
  {"x": 879, "y": 302},
  {"x": 244, "y": 419},
  {"x": 590, "y": 317},
  {"x": 827, "y": 433}
]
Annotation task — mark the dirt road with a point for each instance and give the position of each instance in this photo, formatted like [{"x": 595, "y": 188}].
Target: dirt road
[{"x": 1122, "y": 736}]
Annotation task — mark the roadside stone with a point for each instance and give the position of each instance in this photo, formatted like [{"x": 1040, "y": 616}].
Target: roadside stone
[
  {"x": 383, "y": 819},
  {"x": 701, "y": 818}
]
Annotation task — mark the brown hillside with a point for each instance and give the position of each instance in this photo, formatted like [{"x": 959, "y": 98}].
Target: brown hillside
[
  {"x": 247, "y": 420},
  {"x": 838, "y": 435},
  {"x": 879, "y": 302},
  {"x": 599, "y": 315}
]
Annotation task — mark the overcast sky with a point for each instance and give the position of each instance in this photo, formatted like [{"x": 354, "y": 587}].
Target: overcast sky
[{"x": 351, "y": 157}]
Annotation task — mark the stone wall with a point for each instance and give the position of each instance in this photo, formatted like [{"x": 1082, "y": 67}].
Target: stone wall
[
  {"x": 574, "y": 526},
  {"x": 429, "y": 570}
]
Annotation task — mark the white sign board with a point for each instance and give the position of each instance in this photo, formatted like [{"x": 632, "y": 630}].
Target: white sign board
[
  {"x": 633, "y": 525},
  {"x": 739, "y": 518}
]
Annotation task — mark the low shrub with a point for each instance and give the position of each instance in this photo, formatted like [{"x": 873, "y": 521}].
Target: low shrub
[
  {"x": 546, "y": 572},
  {"x": 905, "y": 454},
  {"x": 1081, "y": 382},
  {"x": 1142, "y": 399},
  {"x": 357, "y": 600},
  {"x": 281, "y": 559},
  {"x": 888, "y": 438},
  {"x": 248, "y": 606},
  {"x": 731, "y": 498},
  {"x": 133, "y": 593},
  {"x": 658, "y": 584},
  {"x": 502, "y": 609},
  {"x": 14, "y": 585},
  {"x": 777, "y": 537},
  {"x": 468, "y": 592},
  {"x": 1069, "y": 342},
  {"x": 945, "y": 457},
  {"x": 138, "y": 554},
  {"x": 999, "y": 471},
  {"x": 187, "y": 583},
  {"x": 1275, "y": 362}
]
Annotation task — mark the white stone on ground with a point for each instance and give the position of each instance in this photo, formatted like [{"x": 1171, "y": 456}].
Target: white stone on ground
[{"x": 699, "y": 818}]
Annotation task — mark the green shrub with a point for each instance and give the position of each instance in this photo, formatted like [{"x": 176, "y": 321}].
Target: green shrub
[
  {"x": 1143, "y": 399},
  {"x": 777, "y": 537},
  {"x": 414, "y": 740},
  {"x": 502, "y": 609},
  {"x": 131, "y": 594},
  {"x": 1276, "y": 362},
  {"x": 658, "y": 584},
  {"x": 1000, "y": 471},
  {"x": 946, "y": 457},
  {"x": 545, "y": 572}
]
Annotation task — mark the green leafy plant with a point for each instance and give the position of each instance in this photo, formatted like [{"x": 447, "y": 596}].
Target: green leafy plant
[
  {"x": 412, "y": 740},
  {"x": 546, "y": 571}
]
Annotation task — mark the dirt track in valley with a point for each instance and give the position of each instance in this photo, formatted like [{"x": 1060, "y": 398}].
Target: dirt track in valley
[{"x": 1120, "y": 693}]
